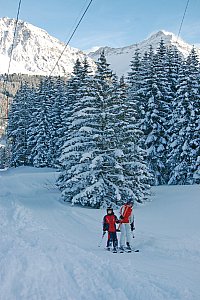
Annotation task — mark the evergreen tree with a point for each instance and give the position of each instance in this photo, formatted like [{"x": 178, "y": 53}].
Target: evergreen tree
[
  {"x": 19, "y": 118},
  {"x": 157, "y": 98},
  {"x": 76, "y": 179},
  {"x": 95, "y": 172},
  {"x": 185, "y": 141},
  {"x": 59, "y": 105},
  {"x": 132, "y": 156},
  {"x": 106, "y": 161},
  {"x": 41, "y": 128},
  {"x": 136, "y": 170},
  {"x": 136, "y": 83},
  {"x": 151, "y": 123}
]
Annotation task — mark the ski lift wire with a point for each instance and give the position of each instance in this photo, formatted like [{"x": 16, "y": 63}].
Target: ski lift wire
[
  {"x": 181, "y": 24},
  {"x": 9, "y": 64},
  {"x": 75, "y": 22},
  {"x": 71, "y": 36},
  {"x": 15, "y": 31}
]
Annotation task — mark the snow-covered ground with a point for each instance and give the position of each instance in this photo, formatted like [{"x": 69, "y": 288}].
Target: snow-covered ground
[{"x": 49, "y": 250}]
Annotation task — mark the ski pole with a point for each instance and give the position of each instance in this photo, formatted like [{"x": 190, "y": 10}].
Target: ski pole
[{"x": 99, "y": 245}]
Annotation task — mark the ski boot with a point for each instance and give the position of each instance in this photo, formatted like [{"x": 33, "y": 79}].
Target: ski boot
[
  {"x": 114, "y": 250},
  {"x": 128, "y": 247},
  {"x": 121, "y": 249}
]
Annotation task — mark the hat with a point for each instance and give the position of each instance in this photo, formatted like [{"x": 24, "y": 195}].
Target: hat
[{"x": 109, "y": 209}]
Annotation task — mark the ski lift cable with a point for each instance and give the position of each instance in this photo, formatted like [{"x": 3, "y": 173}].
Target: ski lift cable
[
  {"x": 181, "y": 24},
  {"x": 71, "y": 36},
  {"x": 76, "y": 21},
  {"x": 15, "y": 31},
  {"x": 9, "y": 64}
]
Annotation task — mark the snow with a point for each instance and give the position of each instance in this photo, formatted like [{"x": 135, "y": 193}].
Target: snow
[
  {"x": 15, "y": 67},
  {"x": 119, "y": 58},
  {"x": 49, "y": 250},
  {"x": 35, "y": 52}
]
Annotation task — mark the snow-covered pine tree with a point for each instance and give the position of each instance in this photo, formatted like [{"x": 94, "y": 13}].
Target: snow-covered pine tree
[
  {"x": 185, "y": 141},
  {"x": 55, "y": 101},
  {"x": 92, "y": 169},
  {"x": 193, "y": 134},
  {"x": 131, "y": 157},
  {"x": 158, "y": 100},
  {"x": 107, "y": 160},
  {"x": 70, "y": 96},
  {"x": 135, "y": 85},
  {"x": 82, "y": 162},
  {"x": 87, "y": 158},
  {"x": 18, "y": 123},
  {"x": 174, "y": 62},
  {"x": 59, "y": 105},
  {"x": 67, "y": 160},
  {"x": 32, "y": 129},
  {"x": 41, "y": 127},
  {"x": 135, "y": 168},
  {"x": 146, "y": 77}
]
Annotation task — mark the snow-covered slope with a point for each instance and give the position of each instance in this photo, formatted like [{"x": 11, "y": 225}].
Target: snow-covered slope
[
  {"x": 34, "y": 51},
  {"x": 119, "y": 58},
  {"x": 48, "y": 250}
]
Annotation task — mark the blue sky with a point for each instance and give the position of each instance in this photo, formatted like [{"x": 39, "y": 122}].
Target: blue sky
[{"x": 114, "y": 23}]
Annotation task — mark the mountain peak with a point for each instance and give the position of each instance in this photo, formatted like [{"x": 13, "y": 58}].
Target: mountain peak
[
  {"x": 119, "y": 58},
  {"x": 166, "y": 35},
  {"x": 35, "y": 51},
  {"x": 163, "y": 32}
]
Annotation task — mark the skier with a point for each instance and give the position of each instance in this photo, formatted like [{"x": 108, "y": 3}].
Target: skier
[
  {"x": 126, "y": 225},
  {"x": 109, "y": 224}
]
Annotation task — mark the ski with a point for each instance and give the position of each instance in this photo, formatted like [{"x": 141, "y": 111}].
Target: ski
[
  {"x": 135, "y": 250},
  {"x": 122, "y": 251},
  {"x": 131, "y": 251},
  {"x": 128, "y": 250}
]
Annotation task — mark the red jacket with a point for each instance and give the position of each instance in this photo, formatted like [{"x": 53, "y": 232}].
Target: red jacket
[
  {"x": 109, "y": 223},
  {"x": 126, "y": 212}
]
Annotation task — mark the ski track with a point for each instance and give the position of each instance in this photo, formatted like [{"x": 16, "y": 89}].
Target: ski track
[{"x": 45, "y": 256}]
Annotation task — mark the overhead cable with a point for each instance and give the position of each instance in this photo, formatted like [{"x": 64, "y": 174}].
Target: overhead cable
[
  {"x": 9, "y": 64},
  {"x": 15, "y": 31},
  {"x": 182, "y": 20},
  {"x": 71, "y": 36}
]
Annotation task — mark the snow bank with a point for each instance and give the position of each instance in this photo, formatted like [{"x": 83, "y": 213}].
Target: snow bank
[{"x": 49, "y": 249}]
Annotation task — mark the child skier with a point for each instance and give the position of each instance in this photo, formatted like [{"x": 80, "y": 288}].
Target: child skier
[{"x": 109, "y": 224}]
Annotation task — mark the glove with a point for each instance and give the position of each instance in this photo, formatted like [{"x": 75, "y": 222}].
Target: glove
[
  {"x": 104, "y": 232},
  {"x": 105, "y": 227},
  {"x": 121, "y": 217},
  {"x": 132, "y": 227}
]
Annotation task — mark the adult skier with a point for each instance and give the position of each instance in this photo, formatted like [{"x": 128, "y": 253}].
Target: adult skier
[
  {"x": 109, "y": 224},
  {"x": 126, "y": 225}
]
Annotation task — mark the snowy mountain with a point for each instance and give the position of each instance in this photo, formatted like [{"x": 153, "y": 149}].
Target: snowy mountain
[
  {"x": 35, "y": 51},
  {"x": 119, "y": 58},
  {"x": 49, "y": 250}
]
